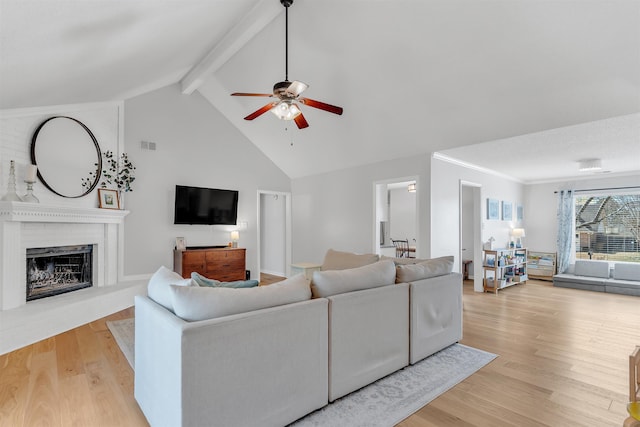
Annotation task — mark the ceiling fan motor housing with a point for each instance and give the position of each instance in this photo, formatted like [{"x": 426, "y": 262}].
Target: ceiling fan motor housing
[{"x": 280, "y": 88}]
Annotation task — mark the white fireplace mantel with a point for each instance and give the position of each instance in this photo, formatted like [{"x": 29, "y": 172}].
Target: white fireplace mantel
[
  {"x": 28, "y": 225},
  {"x": 36, "y": 212}
]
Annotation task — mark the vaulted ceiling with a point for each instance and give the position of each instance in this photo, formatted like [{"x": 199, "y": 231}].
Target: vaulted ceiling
[{"x": 486, "y": 82}]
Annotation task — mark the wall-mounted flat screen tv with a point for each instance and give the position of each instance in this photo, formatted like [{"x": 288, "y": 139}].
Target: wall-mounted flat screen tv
[{"x": 196, "y": 205}]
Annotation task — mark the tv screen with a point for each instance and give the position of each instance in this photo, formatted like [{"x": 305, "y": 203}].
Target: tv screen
[{"x": 195, "y": 205}]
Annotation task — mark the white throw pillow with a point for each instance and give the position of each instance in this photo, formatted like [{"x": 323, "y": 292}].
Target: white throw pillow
[
  {"x": 337, "y": 260},
  {"x": 327, "y": 283},
  {"x": 159, "y": 289},
  {"x": 200, "y": 303},
  {"x": 424, "y": 270}
]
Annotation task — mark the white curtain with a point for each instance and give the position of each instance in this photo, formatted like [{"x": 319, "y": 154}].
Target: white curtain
[{"x": 565, "y": 228}]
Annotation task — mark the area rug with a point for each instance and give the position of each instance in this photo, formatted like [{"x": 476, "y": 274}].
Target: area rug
[
  {"x": 393, "y": 398},
  {"x": 384, "y": 403},
  {"x": 123, "y": 333}
]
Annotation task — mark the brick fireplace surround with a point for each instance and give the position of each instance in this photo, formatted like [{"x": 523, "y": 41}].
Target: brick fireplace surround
[{"x": 29, "y": 225}]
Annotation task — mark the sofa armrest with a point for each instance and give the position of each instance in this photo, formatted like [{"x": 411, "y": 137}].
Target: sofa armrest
[
  {"x": 436, "y": 315},
  {"x": 263, "y": 368}
]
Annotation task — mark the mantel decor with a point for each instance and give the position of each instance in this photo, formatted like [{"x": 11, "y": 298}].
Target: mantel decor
[
  {"x": 108, "y": 199},
  {"x": 117, "y": 172}
]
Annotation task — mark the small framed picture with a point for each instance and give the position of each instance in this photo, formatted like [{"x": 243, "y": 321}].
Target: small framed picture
[
  {"x": 108, "y": 199},
  {"x": 493, "y": 209},
  {"x": 180, "y": 244},
  {"x": 519, "y": 212},
  {"x": 507, "y": 211}
]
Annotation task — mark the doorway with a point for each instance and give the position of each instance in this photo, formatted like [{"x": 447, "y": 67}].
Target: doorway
[
  {"x": 470, "y": 232},
  {"x": 274, "y": 233},
  {"x": 395, "y": 214}
]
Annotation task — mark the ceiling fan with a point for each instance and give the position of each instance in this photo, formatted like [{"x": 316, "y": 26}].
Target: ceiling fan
[{"x": 288, "y": 92}]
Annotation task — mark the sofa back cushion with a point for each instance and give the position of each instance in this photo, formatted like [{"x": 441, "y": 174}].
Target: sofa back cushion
[
  {"x": 159, "y": 287},
  {"x": 423, "y": 270},
  {"x": 199, "y": 303},
  {"x": 626, "y": 271},
  {"x": 332, "y": 282},
  {"x": 591, "y": 268},
  {"x": 337, "y": 260}
]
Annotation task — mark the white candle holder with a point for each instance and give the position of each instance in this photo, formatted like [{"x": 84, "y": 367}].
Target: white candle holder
[{"x": 29, "y": 197}]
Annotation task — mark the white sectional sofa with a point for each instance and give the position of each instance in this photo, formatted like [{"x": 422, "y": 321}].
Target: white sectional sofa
[
  {"x": 274, "y": 354},
  {"x": 601, "y": 276}
]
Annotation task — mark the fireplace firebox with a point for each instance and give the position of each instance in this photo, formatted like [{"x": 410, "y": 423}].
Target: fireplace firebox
[{"x": 56, "y": 270}]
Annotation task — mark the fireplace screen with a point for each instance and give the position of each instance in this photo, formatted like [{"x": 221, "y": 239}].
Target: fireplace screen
[{"x": 56, "y": 270}]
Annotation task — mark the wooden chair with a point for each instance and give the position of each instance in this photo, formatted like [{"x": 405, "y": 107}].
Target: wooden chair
[
  {"x": 402, "y": 248},
  {"x": 634, "y": 390}
]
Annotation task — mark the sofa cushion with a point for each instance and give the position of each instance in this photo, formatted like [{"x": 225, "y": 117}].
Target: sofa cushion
[
  {"x": 200, "y": 303},
  {"x": 337, "y": 260},
  {"x": 424, "y": 270},
  {"x": 626, "y": 271},
  {"x": 201, "y": 280},
  {"x": 159, "y": 288},
  {"x": 332, "y": 282},
  {"x": 592, "y": 268}
]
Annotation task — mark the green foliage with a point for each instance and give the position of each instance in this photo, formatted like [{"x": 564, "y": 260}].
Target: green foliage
[{"x": 117, "y": 173}]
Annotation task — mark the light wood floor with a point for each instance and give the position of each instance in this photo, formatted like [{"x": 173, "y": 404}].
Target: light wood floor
[{"x": 562, "y": 362}]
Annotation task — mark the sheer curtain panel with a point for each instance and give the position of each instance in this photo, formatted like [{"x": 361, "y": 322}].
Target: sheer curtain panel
[{"x": 565, "y": 228}]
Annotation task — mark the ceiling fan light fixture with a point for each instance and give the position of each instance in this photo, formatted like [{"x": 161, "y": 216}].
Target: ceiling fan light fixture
[
  {"x": 287, "y": 91},
  {"x": 286, "y": 110},
  {"x": 587, "y": 165}
]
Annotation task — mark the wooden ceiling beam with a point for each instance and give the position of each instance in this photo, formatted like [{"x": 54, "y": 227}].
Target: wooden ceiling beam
[{"x": 253, "y": 22}]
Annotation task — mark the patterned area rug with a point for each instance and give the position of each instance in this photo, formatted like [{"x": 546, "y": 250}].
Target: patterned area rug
[
  {"x": 381, "y": 404},
  {"x": 123, "y": 333},
  {"x": 395, "y": 397}
]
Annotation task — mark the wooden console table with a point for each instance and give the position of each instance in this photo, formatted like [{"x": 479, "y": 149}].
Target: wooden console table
[{"x": 223, "y": 264}]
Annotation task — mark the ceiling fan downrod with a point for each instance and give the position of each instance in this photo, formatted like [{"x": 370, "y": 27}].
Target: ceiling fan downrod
[{"x": 286, "y": 4}]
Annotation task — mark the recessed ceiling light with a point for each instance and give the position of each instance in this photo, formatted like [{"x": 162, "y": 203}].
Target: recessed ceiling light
[{"x": 587, "y": 165}]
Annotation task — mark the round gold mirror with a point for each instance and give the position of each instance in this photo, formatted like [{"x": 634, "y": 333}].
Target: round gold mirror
[{"x": 67, "y": 155}]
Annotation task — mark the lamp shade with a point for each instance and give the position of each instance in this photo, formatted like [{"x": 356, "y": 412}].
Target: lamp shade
[
  {"x": 235, "y": 236},
  {"x": 518, "y": 232}
]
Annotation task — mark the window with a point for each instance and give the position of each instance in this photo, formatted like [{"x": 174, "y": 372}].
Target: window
[{"x": 608, "y": 227}]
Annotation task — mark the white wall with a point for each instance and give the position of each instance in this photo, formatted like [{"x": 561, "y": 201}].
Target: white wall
[
  {"x": 337, "y": 210},
  {"x": 445, "y": 209},
  {"x": 196, "y": 146},
  {"x": 541, "y": 206},
  {"x": 16, "y": 131}
]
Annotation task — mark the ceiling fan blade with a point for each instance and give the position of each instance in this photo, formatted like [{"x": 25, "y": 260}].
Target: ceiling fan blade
[
  {"x": 261, "y": 111},
  {"x": 250, "y": 94},
  {"x": 295, "y": 89},
  {"x": 321, "y": 105},
  {"x": 301, "y": 122}
]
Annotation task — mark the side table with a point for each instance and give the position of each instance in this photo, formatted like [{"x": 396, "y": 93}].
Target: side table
[{"x": 305, "y": 267}]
